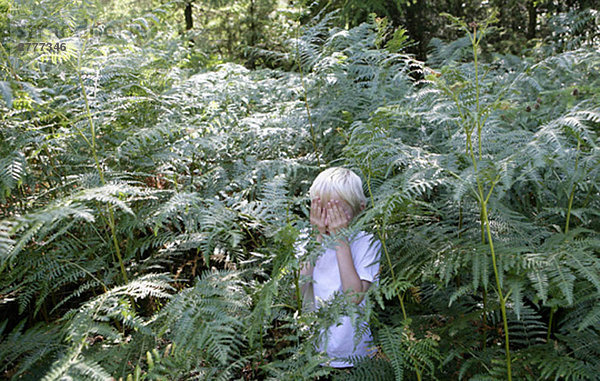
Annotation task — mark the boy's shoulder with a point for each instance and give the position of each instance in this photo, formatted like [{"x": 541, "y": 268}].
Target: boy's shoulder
[
  {"x": 361, "y": 240},
  {"x": 364, "y": 243},
  {"x": 364, "y": 237}
]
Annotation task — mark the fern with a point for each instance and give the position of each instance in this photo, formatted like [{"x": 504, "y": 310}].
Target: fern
[
  {"x": 149, "y": 165},
  {"x": 207, "y": 320},
  {"x": 94, "y": 318},
  {"x": 29, "y": 350}
]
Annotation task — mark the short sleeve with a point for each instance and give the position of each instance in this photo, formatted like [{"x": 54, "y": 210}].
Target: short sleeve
[{"x": 367, "y": 257}]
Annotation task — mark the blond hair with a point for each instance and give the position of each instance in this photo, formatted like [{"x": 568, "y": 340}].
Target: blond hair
[{"x": 342, "y": 183}]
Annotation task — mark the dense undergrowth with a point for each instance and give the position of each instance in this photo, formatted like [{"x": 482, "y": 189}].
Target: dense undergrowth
[{"x": 150, "y": 210}]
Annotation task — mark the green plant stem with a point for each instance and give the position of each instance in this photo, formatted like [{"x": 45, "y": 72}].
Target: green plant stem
[
  {"x": 573, "y": 187},
  {"x": 389, "y": 261},
  {"x": 418, "y": 373},
  {"x": 481, "y": 225},
  {"x": 298, "y": 293},
  {"x": 291, "y": 308},
  {"x": 483, "y": 199},
  {"x": 85, "y": 271},
  {"x": 111, "y": 220},
  {"x": 385, "y": 250},
  {"x": 484, "y": 318},
  {"x": 460, "y": 218},
  {"x": 500, "y": 294},
  {"x": 475, "y": 45},
  {"x": 310, "y": 123},
  {"x": 552, "y": 311}
]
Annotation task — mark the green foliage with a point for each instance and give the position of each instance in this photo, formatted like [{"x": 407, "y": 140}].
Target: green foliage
[
  {"x": 206, "y": 323},
  {"x": 151, "y": 210}
]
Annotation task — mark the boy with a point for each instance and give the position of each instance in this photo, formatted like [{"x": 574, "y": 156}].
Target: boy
[{"x": 349, "y": 266}]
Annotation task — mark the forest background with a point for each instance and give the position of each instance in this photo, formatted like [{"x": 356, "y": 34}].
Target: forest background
[{"x": 155, "y": 159}]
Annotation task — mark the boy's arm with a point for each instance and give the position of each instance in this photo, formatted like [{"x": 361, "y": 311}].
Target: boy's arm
[
  {"x": 305, "y": 269},
  {"x": 338, "y": 219},
  {"x": 348, "y": 274}
]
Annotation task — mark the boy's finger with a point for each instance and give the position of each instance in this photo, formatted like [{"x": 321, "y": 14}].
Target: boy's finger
[
  {"x": 316, "y": 207},
  {"x": 332, "y": 211},
  {"x": 334, "y": 207},
  {"x": 340, "y": 212},
  {"x": 315, "y": 202},
  {"x": 319, "y": 208}
]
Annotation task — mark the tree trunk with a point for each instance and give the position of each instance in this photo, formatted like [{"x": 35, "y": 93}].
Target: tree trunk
[
  {"x": 415, "y": 26},
  {"x": 532, "y": 14},
  {"x": 189, "y": 21},
  {"x": 252, "y": 35}
]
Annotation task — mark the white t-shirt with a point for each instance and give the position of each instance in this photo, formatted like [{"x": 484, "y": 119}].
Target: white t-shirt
[{"x": 366, "y": 254}]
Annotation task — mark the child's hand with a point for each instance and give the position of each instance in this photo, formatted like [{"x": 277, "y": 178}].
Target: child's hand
[
  {"x": 337, "y": 218},
  {"x": 318, "y": 216}
]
